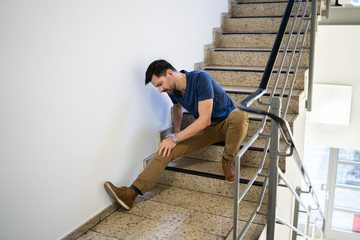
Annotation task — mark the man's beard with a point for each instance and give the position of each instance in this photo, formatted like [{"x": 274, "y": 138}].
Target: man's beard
[{"x": 171, "y": 90}]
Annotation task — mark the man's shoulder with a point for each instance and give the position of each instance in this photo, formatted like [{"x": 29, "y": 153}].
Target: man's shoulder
[{"x": 196, "y": 74}]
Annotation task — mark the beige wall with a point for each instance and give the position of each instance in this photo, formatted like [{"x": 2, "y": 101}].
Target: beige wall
[{"x": 337, "y": 62}]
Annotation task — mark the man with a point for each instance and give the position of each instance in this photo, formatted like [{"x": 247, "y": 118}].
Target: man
[{"x": 217, "y": 120}]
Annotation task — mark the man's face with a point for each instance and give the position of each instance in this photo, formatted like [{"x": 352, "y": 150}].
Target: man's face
[{"x": 164, "y": 83}]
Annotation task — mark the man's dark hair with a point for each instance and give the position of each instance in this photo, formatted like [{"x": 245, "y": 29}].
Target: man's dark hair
[{"x": 157, "y": 68}]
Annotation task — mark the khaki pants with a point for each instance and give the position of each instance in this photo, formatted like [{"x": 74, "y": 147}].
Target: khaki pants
[{"x": 232, "y": 130}]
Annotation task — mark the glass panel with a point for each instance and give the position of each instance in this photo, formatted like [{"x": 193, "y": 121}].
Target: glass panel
[
  {"x": 347, "y": 198},
  {"x": 345, "y": 221},
  {"x": 349, "y": 155},
  {"x": 347, "y": 174},
  {"x": 316, "y": 161}
]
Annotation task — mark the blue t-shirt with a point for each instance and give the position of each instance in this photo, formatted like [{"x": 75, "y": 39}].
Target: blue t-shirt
[{"x": 201, "y": 86}]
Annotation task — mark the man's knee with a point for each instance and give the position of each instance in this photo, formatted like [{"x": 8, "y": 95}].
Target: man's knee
[{"x": 239, "y": 117}]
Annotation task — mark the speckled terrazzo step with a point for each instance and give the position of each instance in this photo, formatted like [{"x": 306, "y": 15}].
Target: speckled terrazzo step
[
  {"x": 206, "y": 176},
  {"x": 244, "y": 9},
  {"x": 251, "y": 158},
  {"x": 257, "y": 1},
  {"x": 205, "y": 210},
  {"x": 252, "y": 39},
  {"x": 250, "y": 76},
  {"x": 255, "y": 24},
  {"x": 172, "y": 213},
  {"x": 296, "y": 101},
  {"x": 249, "y": 57},
  {"x": 254, "y": 122}
]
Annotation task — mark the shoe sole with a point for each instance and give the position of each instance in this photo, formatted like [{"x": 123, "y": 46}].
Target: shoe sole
[
  {"x": 114, "y": 196},
  {"x": 229, "y": 181}
]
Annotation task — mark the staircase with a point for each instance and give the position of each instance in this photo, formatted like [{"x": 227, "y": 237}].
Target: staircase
[{"x": 236, "y": 60}]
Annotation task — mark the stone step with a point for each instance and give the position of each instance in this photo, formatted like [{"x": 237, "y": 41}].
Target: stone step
[
  {"x": 254, "y": 122},
  {"x": 214, "y": 152},
  {"x": 197, "y": 212},
  {"x": 256, "y": 24},
  {"x": 206, "y": 176},
  {"x": 257, "y": 1},
  {"x": 251, "y": 158},
  {"x": 250, "y": 57},
  {"x": 296, "y": 101},
  {"x": 254, "y": 39},
  {"x": 251, "y": 76},
  {"x": 246, "y": 9}
]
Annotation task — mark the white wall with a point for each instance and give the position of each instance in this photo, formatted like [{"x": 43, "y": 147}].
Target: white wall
[
  {"x": 74, "y": 108},
  {"x": 337, "y": 62}
]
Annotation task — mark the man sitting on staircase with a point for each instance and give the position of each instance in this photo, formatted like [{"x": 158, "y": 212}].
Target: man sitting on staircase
[{"x": 217, "y": 120}]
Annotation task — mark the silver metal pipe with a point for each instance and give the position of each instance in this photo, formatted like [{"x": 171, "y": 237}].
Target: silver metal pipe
[
  {"x": 298, "y": 59},
  {"x": 256, "y": 211},
  {"x": 293, "y": 191},
  {"x": 327, "y": 10},
  {"x": 296, "y": 214},
  {"x": 273, "y": 169},
  {"x": 282, "y": 221},
  {"x": 236, "y": 195},
  {"x": 253, "y": 178},
  {"x": 312, "y": 55}
]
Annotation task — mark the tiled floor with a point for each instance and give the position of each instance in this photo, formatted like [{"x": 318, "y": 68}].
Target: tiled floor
[{"x": 167, "y": 212}]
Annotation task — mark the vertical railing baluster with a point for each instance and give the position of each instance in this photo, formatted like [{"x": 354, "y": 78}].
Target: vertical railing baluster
[
  {"x": 273, "y": 169},
  {"x": 296, "y": 213},
  {"x": 236, "y": 196},
  {"x": 312, "y": 54}
]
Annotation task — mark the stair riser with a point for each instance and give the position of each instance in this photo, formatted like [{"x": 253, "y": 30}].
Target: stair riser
[
  {"x": 252, "y": 128},
  {"x": 252, "y": 79},
  {"x": 250, "y": 59},
  {"x": 250, "y": 40},
  {"x": 207, "y": 185},
  {"x": 260, "y": 24},
  {"x": 266, "y": 9},
  {"x": 293, "y": 105},
  {"x": 251, "y": 158}
]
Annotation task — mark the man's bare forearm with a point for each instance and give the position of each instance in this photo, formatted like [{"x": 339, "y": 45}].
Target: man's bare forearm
[
  {"x": 177, "y": 117},
  {"x": 204, "y": 120}
]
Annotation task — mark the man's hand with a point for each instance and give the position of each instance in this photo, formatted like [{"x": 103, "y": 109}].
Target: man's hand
[{"x": 166, "y": 145}]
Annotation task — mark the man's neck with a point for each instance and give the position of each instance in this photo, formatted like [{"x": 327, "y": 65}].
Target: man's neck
[{"x": 180, "y": 81}]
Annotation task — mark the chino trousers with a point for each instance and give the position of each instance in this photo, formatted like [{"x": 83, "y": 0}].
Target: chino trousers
[{"x": 232, "y": 130}]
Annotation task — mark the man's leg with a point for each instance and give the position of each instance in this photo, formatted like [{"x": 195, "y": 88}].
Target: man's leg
[
  {"x": 125, "y": 196},
  {"x": 235, "y": 129},
  {"x": 158, "y": 163}
]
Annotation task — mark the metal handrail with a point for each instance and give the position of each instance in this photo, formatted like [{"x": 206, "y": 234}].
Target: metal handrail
[{"x": 280, "y": 121}]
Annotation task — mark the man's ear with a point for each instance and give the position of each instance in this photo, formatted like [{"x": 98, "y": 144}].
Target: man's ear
[{"x": 169, "y": 72}]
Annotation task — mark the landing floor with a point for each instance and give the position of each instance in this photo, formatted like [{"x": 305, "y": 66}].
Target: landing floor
[{"x": 167, "y": 212}]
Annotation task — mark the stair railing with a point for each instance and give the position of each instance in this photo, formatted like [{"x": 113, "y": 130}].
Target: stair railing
[{"x": 277, "y": 114}]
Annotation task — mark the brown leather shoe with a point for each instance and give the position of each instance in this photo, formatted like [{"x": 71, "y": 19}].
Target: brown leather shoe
[
  {"x": 229, "y": 170},
  {"x": 125, "y": 196}
]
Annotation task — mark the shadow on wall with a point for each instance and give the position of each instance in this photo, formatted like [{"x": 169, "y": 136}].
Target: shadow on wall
[
  {"x": 124, "y": 146},
  {"x": 159, "y": 102}
]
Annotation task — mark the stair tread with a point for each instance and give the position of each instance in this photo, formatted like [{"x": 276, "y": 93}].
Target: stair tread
[
  {"x": 258, "y": 144},
  {"x": 211, "y": 167},
  {"x": 201, "y": 201},
  {"x": 265, "y": 16},
  {"x": 249, "y": 90},
  {"x": 290, "y": 117},
  {"x": 220, "y": 49},
  {"x": 242, "y": 68},
  {"x": 263, "y": 2},
  {"x": 255, "y": 33}
]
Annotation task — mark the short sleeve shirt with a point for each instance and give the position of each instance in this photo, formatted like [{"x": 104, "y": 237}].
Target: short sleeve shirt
[{"x": 201, "y": 86}]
